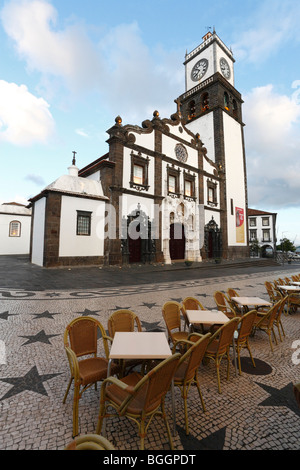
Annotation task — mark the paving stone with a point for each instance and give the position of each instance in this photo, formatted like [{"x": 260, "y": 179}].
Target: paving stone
[{"x": 255, "y": 410}]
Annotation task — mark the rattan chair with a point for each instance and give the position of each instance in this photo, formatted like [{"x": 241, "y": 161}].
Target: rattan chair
[
  {"x": 187, "y": 371},
  {"x": 138, "y": 397},
  {"x": 277, "y": 320},
  {"x": 171, "y": 312},
  {"x": 90, "y": 442},
  {"x": 265, "y": 322},
  {"x": 233, "y": 293},
  {"x": 219, "y": 346},
  {"x": 80, "y": 340},
  {"x": 242, "y": 339},
  {"x": 223, "y": 304},
  {"x": 191, "y": 303},
  {"x": 124, "y": 320}
]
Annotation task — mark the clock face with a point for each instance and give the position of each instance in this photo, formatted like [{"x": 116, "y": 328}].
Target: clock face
[
  {"x": 199, "y": 70},
  {"x": 181, "y": 153},
  {"x": 225, "y": 69}
]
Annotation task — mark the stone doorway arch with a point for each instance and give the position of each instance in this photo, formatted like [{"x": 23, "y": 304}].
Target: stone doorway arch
[{"x": 212, "y": 240}]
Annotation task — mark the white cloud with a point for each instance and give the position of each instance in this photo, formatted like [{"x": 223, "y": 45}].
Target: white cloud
[
  {"x": 268, "y": 29},
  {"x": 272, "y": 135},
  {"x": 67, "y": 53},
  {"x": 126, "y": 73},
  {"x": 24, "y": 118}
]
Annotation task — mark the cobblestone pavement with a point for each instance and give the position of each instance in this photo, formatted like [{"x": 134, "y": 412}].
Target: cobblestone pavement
[{"x": 256, "y": 411}]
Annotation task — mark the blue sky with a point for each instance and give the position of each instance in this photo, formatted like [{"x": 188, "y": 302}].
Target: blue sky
[{"x": 68, "y": 68}]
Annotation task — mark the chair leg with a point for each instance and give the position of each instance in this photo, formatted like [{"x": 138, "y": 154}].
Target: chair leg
[
  {"x": 248, "y": 347},
  {"x": 75, "y": 410},
  {"x": 280, "y": 324},
  {"x": 186, "y": 419},
  {"x": 167, "y": 424},
  {"x": 199, "y": 391},
  {"x": 67, "y": 391},
  {"x": 228, "y": 363},
  {"x": 142, "y": 433}
]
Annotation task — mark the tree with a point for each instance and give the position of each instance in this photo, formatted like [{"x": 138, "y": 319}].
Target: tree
[{"x": 286, "y": 245}]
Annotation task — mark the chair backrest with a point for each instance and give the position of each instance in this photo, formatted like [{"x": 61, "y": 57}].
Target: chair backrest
[
  {"x": 81, "y": 336},
  {"x": 194, "y": 355},
  {"x": 123, "y": 320},
  {"x": 269, "y": 289},
  {"x": 222, "y": 302},
  {"x": 191, "y": 303},
  {"x": 281, "y": 307},
  {"x": 273, "y": 312},
  {"x": 171, "y": 314},
  {"x": 232, "y": 292},
  {"x": 156, "y": 383},
  {"x": 246, "y": 324},
  {"x": 225, "y": 334}
]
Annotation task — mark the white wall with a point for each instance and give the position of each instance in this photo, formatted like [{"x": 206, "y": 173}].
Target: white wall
[
  {"x": 71, "y": 244},
  {"x": 235, "y": 176},
  {"x": 38, "y": 232},
  {"x": 14, "y": 245}
]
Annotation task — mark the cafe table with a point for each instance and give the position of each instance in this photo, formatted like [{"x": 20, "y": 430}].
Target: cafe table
[
  {"x": 290, "y": 288},
  {"x": 145, "y": 345},
  {"x": 255, "y": 302},
  {"x": 209, "y": 317}
]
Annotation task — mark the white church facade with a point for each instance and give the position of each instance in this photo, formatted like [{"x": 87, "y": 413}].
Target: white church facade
[{"x": 171, "y": 189}]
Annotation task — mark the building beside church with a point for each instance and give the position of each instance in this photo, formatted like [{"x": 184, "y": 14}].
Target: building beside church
[
  {"x": 15, "y": 227},
  {"x": 171, "y": 189},
  {"x": 262, "y": 232}
]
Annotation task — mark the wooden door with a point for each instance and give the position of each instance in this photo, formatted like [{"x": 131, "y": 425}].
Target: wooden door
[{"x": 177, "y": 241}]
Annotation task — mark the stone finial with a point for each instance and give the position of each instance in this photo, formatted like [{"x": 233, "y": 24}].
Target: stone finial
[
  {"x": 156, "y": 114},
  {"x": 118, "y": 120}
]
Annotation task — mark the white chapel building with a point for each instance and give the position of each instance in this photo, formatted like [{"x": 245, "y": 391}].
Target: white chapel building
[{"x": 171, "y": 189}]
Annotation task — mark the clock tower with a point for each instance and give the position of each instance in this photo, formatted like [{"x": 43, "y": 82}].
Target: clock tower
[{"x": 212, "y": 107}]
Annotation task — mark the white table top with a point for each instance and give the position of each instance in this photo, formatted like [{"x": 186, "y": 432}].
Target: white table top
[
  {"x": 140, "y": 345},
  {"x": 206, "y": 317},
  {"x": 294, "y": 288},
  {"x": 252, "y": 301}
]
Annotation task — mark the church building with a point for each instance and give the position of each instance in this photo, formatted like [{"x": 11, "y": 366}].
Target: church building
[{"x": 171, "y": 189}]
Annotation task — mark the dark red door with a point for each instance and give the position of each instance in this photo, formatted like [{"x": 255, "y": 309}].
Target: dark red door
[
  {"x": 177, "y": 241},
  {"x": 134, "y": 246}
]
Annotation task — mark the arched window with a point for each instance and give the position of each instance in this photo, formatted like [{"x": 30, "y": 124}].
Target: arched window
[
  {"x": 192, "y": 109},
  {"x": 205, "y": 102},
  {"x": 15, "y": 228},
  {"x": 226, "y": 101},
  {"x": 234, "y": 108}
]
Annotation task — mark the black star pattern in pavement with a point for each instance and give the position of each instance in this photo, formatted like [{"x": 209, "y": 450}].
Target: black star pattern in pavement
[
  {"x": 45, "y": 314},
  {"x": 52, "y": 294},
  {"x": 280, "y": 397},
  {"x": 88, "y": 312},
  {"x": 214, "y": 441},
  {"x": 31, "y": 381},
  {"x": 5, "y": 315},
  {"x": 177, "y": 300},
  {"x": 151, "y": 326},
  {"x": 149, "y": 305},
  {"x": 40, "y": 337}
]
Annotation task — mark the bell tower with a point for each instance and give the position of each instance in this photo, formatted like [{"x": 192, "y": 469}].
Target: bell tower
[{"x": 212, "y": 107}]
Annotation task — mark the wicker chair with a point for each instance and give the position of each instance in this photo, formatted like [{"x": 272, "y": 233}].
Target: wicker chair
[
  {"x": 90, "y": 442},
  {"x": 124, "y": 320},
  {"x": 219, "y": 345},
  {"x": 233, "y": 293},
  {"x": 171, "y": 312},
  {"x": 277, "y": 320},
  {"x": 187, "y": 371},
  {"x": 138, "y": 397},
  {"x": 223, "y": 304},
  {"x": 80, "y": 340},
  {"x": 265, "y": 321},
  {"x": 191, "y": 303},
  {"x": 242, "y": 339},
  {"x": 293, "y": 302}
]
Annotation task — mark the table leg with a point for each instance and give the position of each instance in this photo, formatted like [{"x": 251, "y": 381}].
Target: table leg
[
  {"x": 104, "y": 420},
  {"x": 173, "y": 407}
]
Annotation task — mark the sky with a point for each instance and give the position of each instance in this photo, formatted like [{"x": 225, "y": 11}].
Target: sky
[{"x": 68, "y": 68}]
